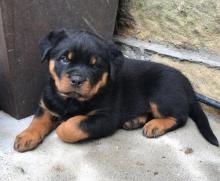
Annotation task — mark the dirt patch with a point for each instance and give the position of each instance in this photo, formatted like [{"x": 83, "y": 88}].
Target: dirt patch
[
  {"x": 188, "y": 151},
  {"x": 156, "y": 173},
  {"x": 184, "y": 23}
]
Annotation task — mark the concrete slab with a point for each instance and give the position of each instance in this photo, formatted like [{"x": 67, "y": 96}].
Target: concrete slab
[{"x": 126, "y": 155}]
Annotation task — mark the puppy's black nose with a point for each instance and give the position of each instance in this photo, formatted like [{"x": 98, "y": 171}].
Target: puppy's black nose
[{"x": 77, "y": 80}]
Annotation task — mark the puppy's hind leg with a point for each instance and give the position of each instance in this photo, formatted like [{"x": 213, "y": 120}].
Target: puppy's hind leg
[
  {"x": 136, "y": 123},
  {"x": 162, "y": 124}
]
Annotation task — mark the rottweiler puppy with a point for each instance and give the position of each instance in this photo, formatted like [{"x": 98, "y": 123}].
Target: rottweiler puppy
[{"x": 93, "y": 90}]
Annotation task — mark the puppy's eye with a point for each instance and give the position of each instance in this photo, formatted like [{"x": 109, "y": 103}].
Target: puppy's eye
[{"x": 64, "y": 60}]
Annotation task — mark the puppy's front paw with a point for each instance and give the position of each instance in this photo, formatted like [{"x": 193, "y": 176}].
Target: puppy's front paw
[{"x": 27, "y": 140}]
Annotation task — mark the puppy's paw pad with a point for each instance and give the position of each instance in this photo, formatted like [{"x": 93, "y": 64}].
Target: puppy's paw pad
[
  {"x": 152, "y": 130},
  {"x": 27, "y": 141},
  {"x": 135, "y": 123},
  {"x": 127, "y": 125}
]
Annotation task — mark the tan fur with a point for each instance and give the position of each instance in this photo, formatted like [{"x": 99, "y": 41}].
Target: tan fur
[
  {"x": 154, "y": 110},
  {"x": 70, "y": 56},
  {"x": 42, "y": 105},
  {"x": 92, "y": 113},
  {"x": 93, "y": 61},
  {"x": 87, "y": 91},
  {"x": 84, "y": 93},
  {"x": 135, "y": 123},
  {"x": 34, "y": 134},
  {"x": 69, "y": 130},
  {"x": 99, "y": 85},
  {"x": 142, "y": 120},
  {"x": 157, "y": 127},
  {"x": 64, "y": 84}
]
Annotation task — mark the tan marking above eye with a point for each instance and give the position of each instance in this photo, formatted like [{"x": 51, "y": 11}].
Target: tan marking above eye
[
  {"x": 93, "y": 61},
  {"x": 70, "y": 56}
]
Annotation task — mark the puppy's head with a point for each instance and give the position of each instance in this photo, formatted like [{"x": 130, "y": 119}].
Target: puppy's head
[{"x": 80, "y": 63}]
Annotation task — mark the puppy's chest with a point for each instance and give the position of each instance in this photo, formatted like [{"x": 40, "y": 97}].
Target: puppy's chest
[
  {"x": 72, "y": 108},
  {"x": 103, "y": 102}
]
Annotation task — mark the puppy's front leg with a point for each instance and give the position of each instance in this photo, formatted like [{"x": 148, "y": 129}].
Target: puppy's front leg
[
  {"x": 84, "y": 127},
  {"x": 31, "y": 137}
]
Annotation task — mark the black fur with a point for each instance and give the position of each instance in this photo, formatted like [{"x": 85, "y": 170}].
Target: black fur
[{"x": 131, "y": 86}]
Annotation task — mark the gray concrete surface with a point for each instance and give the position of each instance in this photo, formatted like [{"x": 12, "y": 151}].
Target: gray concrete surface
[{"x": 127, "y": 155}]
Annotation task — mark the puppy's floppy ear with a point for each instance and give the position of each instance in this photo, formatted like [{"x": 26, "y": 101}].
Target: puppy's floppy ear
[
  {"x": 116, "y": 59},
  {"x": 50, "y": 41}
]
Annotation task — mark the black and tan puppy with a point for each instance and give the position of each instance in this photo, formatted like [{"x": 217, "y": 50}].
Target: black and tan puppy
[{"x": 94, "y": 90}]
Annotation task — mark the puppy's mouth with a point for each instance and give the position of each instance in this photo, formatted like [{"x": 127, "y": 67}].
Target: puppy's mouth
[
  {"x": 71, "y": 94},
  {"x": 78, "y": 94},
  {"x": 85, "y": 91}
]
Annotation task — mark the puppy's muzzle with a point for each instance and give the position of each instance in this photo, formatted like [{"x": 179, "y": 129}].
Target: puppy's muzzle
[{"x": 77, "y": 80}]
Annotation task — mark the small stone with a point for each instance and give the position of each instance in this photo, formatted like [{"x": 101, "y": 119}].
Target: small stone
[
  {"x": 59, "y": 168},
  {"x": 188, "y": 151},
  {"x": 156, "y": 173},
  {"x": 20, "y": 169}
]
